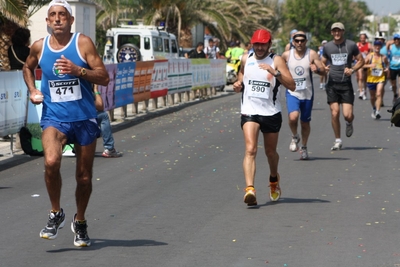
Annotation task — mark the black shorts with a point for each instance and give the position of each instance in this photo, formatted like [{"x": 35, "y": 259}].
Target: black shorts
[
  {"x": 340, "y": 92},
  {"x": 394, "y": 74},
  {"x": 268, "y": 124}
]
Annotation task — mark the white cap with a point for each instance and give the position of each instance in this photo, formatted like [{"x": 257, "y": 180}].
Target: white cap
[
  {"x": 324, "y": 42},
  {"x": 60, "y": 3},
  {"x": 380, "y": 35}
]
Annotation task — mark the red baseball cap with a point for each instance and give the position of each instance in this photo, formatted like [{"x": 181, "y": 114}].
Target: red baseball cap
[{"x": 261, "y": 36}]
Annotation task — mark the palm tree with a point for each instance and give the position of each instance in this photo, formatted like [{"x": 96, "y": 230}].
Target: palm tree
[
  {"x": 14, "y": 14},
  {"x": 226, "y": 19}
]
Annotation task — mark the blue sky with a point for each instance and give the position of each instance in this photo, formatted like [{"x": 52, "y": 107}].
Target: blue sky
[{"x": 383, "y": 7}]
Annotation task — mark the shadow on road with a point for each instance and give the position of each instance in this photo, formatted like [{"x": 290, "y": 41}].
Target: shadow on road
[
  {"x": 361, "y": 148},
  {"x": 290, "y": 200},
  {"x": 321, "y": 158},
  {"x": 102, "y": 243}
]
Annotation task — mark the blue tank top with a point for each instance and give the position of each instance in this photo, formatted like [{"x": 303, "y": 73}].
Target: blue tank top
[
  {"x": 67, "y": 98},
  {"x": 394, "y": 57}
]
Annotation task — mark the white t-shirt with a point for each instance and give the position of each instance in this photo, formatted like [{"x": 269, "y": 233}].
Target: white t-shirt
[
  {"x": 211, "y": 52},
  {"x": 261, "y": 89}
]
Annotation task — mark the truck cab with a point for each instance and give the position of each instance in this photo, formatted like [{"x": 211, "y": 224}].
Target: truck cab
[{"x": 129, "y": 43}]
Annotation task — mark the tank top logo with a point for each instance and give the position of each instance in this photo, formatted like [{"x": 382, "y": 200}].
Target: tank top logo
[
  {"x": 57, "y": 73},
  {"x": 299, "y": 70}
]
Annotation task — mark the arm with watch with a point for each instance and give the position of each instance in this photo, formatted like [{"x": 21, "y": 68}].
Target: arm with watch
[
  {"x": 356, "y": 67},
  {"x": 282, "y": 73}
]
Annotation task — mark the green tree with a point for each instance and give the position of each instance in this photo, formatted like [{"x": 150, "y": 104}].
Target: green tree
[
  {"x": 14, "y": 14},
  {"x": 227, "y": 19},
  {"x": 317, "y": 16}
]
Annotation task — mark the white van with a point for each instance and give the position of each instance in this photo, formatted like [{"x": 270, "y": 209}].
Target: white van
[{"x": 129, "y": 43}]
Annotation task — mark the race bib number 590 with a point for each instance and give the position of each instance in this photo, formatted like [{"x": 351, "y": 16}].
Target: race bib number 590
[
  {"x": 259, "y": 89},
  {"x": 65, "y": 90}
]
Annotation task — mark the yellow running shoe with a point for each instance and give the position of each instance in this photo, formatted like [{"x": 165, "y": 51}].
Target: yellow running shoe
[
  {"x": 250, "y": 196},
  {"x": 275, "y": 190}
]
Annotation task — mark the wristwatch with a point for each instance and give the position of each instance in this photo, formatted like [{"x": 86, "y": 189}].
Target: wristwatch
[
  {"x": 277, "y": 74},
  {"x": 83, "y": 72}
]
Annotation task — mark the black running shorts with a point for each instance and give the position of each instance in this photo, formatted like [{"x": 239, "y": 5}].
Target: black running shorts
[
  {"x": 268, "y": 124},
  {"x": 340, "y": 92}
]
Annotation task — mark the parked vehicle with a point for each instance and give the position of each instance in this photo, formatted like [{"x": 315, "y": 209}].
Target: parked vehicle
[{"x": 129, "y": 43}]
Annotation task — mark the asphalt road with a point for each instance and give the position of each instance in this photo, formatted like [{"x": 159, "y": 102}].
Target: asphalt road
[{"x": 175, "y": 199}]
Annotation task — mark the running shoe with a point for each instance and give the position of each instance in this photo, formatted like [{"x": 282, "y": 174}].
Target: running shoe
[
  {"x": 56, "y": 221},
  {"x": 250, "y": 196},
  {"x": 377, "y": 115},
  {"x": 79, "y": 228},
  {"x": 373, "y": 114},
  {"x": 337, "y": 145},
  {"x": 294, "y": 144},
  {"x": 111, "y": 153},
  {"x": 361, "y": 95},
  {"x": 275, "y": 190},
  {"x": 304, "y": 153},
  {"x": 349, "y": 129},
  {"x": 364, "y": 97}
]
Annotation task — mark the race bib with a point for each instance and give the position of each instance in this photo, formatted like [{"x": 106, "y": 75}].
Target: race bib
[
  {"x": 65, "y": 90},
  {"x": 396, "y": 59},
  {"x": 300, "y": 84},
  {"x": 339, "y": 59},
  {"x": 259, "y": 89},
  {"x": 376, "y": 72}
]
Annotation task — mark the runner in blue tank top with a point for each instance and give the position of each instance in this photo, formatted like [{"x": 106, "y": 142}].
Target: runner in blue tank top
[
  {"x": 393, "y": 48},
  {"x": 70, "y": 64}
]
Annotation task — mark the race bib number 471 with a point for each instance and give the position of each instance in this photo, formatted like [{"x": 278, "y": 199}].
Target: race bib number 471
[
  {"x": 259, "y": 89},
  {"x": 65, "y": 90}
]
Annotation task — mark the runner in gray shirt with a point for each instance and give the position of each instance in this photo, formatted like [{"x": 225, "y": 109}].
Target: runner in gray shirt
[{"x": 339, "y": 89}]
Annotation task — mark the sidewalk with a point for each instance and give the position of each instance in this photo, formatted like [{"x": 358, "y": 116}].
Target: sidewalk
[{"x": 132, "y": 112}]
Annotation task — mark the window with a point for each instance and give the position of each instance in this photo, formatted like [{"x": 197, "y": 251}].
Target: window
[
  {"x": 166, "y": 45},
  {"x": 174, "y": 47},
  {"x": 146, "y": 43},
  {"x": 158, "y": 44},
  {"x": 129, "y": 39}
]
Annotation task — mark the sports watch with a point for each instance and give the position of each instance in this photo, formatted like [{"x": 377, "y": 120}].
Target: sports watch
[
  {"x": 277, "y": 74},
  {"x": 83, "y": 72}
]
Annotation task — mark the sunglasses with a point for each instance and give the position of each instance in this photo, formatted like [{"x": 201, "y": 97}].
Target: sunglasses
[
  {"x": 299, "y": 40},
  {"x": 396, "y": 39}
]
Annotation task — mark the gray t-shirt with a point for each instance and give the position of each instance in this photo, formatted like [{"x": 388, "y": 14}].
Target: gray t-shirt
[{"x": 340, "y": 56}]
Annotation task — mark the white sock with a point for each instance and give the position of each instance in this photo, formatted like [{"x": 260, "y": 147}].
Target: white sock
[{"x": 338, "y": 140}]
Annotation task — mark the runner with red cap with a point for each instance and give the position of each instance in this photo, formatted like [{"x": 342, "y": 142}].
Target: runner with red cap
[{"x": 260, "y": 76}]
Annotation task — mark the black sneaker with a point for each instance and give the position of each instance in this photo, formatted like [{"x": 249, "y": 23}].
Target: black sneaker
[
  {"x": 56, "y": 221},
  {"x": 81, "y": 238}
]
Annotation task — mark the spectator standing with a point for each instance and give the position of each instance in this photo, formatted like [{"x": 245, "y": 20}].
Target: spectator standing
[
  {"x": 197, "y": 52},
  {"x": 211, "y": 51}
]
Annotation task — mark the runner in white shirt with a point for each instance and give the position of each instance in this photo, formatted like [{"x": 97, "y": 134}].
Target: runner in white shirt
[
  {"x": 301, "y": 61},
  {"x": 260, "y": 76}
]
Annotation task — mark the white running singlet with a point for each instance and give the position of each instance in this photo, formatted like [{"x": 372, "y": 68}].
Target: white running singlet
[
  {"x": 261, "y": 89},
  {"x": 302, "y": 76}
]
